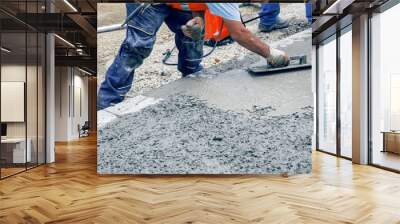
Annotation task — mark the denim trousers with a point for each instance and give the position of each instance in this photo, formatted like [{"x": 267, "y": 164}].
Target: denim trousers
[
  {"x": 272, "y": 10},
  {"x": 138, "y": 44}
]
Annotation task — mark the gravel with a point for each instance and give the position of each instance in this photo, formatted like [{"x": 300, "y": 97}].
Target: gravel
[{"x": 183, "y": 134}]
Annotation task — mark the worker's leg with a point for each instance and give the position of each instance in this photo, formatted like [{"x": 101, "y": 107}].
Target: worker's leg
[
  {"x": 138, "y": 43},
  {"x": 190, "y": 51},
  {"x": 270, "y": 19},
  {"x": 270, "y": 12},
  {"x": 309, "y": 12}
]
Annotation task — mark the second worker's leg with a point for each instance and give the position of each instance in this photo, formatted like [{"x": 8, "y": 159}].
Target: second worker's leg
[
  {"x": 270, "y": 19},
  {"x": 309, "y": 12}
]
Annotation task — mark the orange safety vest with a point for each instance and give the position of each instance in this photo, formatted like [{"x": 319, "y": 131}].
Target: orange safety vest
[{"x": 214, "y": 27}]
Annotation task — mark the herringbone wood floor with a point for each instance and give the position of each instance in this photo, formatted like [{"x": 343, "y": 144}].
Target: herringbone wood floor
[{"x": 70, "y": 191}]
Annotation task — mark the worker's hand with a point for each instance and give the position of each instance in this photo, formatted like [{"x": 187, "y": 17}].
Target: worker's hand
[
  {"x": 194, "y": 28},
  {"x": 277, "y": 58}
]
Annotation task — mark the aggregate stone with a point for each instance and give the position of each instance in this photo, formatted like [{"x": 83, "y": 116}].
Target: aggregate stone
[{"x": 183, "y": 134}]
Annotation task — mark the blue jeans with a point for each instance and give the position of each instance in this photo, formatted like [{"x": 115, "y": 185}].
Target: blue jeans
[
  {"x": 309, "y": 12},
  {"x": 272, "y": 10},
  {"x": 138, "y": 44}
]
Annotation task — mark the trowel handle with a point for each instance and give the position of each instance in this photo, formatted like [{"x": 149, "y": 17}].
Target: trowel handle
[{"x": 301, "y": 59}]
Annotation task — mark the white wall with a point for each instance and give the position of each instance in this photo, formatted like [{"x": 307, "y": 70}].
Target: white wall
[
  {"x": 33, "y": 125},
  {"x": 61, "y": 103},
  {"x": 12, "y": 73},
  {"x": 81, "y": 89},
  {"x": 70, "y": 83},
  {"x": 12, "y": 101}
]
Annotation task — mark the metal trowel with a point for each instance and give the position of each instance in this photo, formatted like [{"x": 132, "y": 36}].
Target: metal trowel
[{"x": 296, "y": 63}]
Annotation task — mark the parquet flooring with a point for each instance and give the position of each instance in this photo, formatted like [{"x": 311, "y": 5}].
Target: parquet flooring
[{"x": 70, "y": 191}]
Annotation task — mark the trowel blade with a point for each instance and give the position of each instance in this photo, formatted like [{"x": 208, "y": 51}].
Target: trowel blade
[{"x": 265, "y": 70}]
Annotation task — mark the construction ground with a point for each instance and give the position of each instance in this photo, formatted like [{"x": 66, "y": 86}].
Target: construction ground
[{"x": 223, "y": 121}]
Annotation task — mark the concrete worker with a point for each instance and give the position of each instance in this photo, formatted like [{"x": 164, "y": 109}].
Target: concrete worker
[
  {"x": 271, "y": 20},
  {"x": 184, "y": 19}
]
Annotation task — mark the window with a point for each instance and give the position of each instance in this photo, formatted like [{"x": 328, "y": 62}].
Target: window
[
  {"x": 385, "y": 89},
  {"x": 346, "y": 92},
  {"x": 327, "y": 96}
]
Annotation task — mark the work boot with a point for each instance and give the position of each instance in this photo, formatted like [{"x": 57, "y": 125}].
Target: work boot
[{"x": 279, "y": 24}]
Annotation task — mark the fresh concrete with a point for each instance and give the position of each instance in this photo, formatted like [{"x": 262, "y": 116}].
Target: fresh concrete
[
  {"x": 183, "y": 135},
  {"x": 230, "y": 87}
]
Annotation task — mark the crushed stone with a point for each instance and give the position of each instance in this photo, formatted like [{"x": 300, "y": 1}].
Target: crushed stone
[{"x": 182, "y": 134}]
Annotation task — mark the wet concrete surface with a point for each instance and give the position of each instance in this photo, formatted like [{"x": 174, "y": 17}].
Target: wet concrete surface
[
  {"x": 235, "y": 89},
  {"x": 218, "y": 123}
]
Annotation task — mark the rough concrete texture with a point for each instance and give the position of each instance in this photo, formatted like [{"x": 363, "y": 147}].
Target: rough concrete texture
[
  {"x": 183, "y": 134},
  {"x": 148, "y": 76},
  {"x": 220, "y": 121}
]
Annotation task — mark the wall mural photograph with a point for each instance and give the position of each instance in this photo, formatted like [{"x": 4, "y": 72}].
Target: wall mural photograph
[
  {"x": 216, "y": 88},
  {"x": 127, "y": 111}
]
